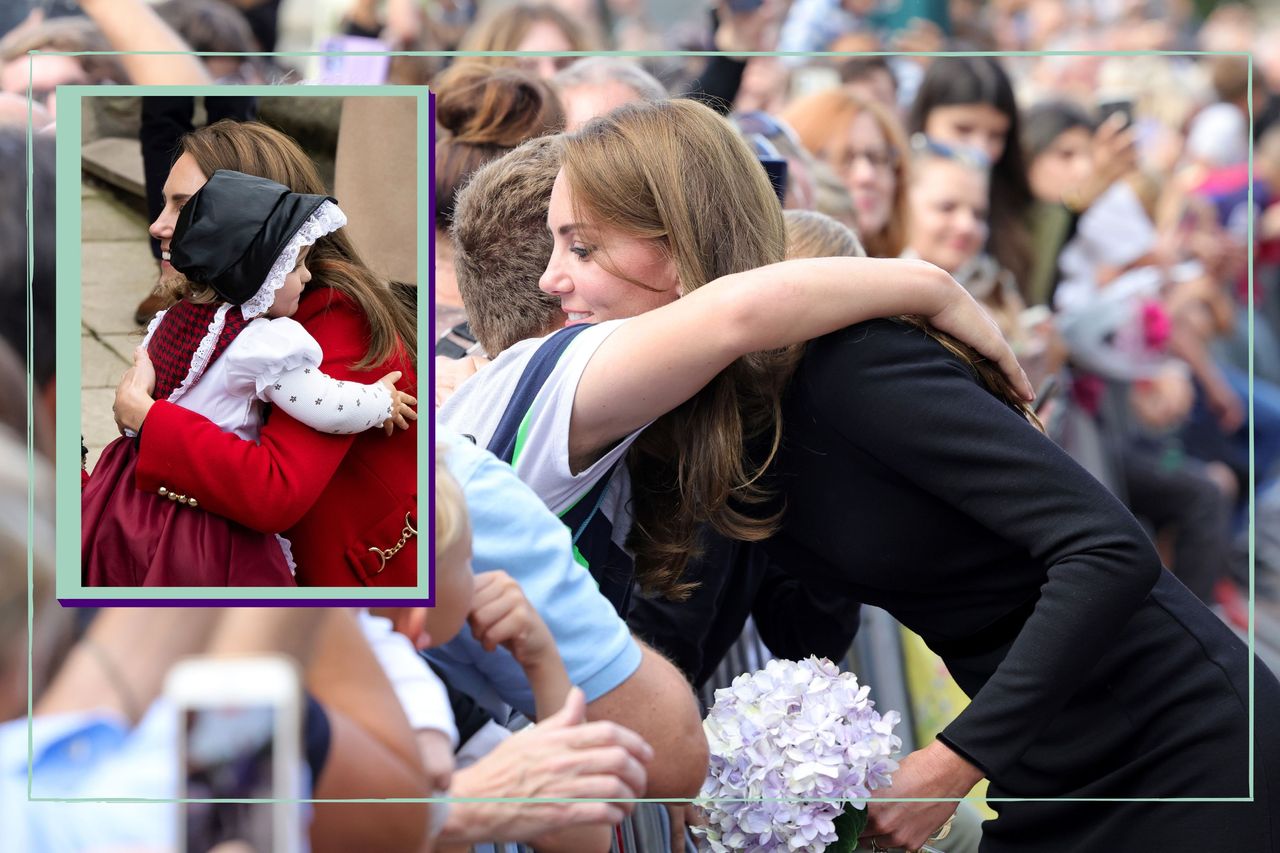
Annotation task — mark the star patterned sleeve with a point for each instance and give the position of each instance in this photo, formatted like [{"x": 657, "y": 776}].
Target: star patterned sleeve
[{"x": 327, "y": 404}]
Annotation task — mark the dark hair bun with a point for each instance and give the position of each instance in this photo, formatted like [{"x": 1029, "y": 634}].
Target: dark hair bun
[{"x": 479, "y": 104}]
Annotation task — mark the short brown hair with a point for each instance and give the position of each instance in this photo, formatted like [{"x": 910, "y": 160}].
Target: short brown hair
[{"x": 501, "y": 245}]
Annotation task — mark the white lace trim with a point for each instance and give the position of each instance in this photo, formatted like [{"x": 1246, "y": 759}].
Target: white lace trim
[
  {"x": 287, "y": 548},
  {"x": 152, "y": 326},
  {"x": 200, "y": 360},
  {"x": 328, "y": 217}
]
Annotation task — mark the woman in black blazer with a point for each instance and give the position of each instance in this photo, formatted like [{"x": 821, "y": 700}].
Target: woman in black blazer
[{"x": 1093, "y": 672}]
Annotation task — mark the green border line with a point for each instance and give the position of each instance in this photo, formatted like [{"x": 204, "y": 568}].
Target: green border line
[
  {"x": 277, "y": 89},
  {"x": 70, "y": 589}
]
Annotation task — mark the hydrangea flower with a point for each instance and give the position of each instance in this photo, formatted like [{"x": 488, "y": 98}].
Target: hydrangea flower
[{"x": 792, "y": 731}]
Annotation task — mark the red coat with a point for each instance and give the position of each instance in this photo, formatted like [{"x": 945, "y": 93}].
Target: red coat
[{"x": 334, "y": 497}]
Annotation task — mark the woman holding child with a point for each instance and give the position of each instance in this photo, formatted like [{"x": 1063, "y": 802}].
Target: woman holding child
[{"x": 343, "y": 501}]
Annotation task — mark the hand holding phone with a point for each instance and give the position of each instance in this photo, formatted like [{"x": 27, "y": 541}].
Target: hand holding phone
[
  {"x": 239, "y": 738},
  {"x": 1108, "y": 107}
]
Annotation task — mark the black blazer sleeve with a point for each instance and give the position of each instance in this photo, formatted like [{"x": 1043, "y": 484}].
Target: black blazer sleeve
[{"x": 899, "y": 396}]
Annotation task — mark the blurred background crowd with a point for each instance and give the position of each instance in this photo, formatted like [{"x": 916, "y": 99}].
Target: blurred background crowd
[{"x": 1116, "y": 214}]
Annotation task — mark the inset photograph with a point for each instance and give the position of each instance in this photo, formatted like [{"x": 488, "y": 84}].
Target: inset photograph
[{"x": 248, "y": 334}]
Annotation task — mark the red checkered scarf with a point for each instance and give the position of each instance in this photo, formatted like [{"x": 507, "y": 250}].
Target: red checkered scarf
[{"x": 174, "y": 343}]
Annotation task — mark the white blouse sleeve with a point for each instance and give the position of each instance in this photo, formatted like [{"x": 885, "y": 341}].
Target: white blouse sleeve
[{"x": 277, "y": 361}]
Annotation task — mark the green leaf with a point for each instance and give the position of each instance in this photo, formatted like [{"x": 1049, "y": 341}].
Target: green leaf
[{"x": 848, "y": 827}]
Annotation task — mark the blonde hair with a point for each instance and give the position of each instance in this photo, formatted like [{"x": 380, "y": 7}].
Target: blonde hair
[
  {"x": 823, "y": 118},
  {"x": 677, "y": 173},
  {"x": 451, "y": 508},
  {"x": 813, "y": 235},
  {"x": 258, "y": 149}
]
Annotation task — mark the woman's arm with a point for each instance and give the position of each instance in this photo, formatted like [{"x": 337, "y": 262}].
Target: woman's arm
[
  {"x": 373, "y": 753},
  {"x": 132, "y": 25},
  {"x": 656, "y": 361}
]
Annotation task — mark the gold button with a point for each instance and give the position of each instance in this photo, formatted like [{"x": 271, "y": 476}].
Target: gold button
[
  {"x": 191, "y": 502},
  {"x": 173, "y": 496},
  {"x": 163, "y": 491}
]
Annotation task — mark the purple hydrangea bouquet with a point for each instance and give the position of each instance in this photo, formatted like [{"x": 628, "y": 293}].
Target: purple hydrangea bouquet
[{"x": 794, "y": 747}]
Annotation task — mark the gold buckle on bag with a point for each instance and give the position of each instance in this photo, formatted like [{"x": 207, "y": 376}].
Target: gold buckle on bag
[{"x": 405, "y": 535}]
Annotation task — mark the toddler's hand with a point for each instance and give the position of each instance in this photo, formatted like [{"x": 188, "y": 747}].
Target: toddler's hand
[
  {"x": 402, "y": 405},
  {"x": 502, "y": 616}
]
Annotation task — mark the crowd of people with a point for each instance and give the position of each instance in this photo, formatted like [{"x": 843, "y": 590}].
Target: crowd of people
[{"x": 720, "y": 343}]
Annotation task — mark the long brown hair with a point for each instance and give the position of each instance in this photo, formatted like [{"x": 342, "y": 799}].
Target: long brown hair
[
  {"x": 677, "y": 173},
  {"x": 822, "y": 120},
  {"x": 257, "y": 149}
]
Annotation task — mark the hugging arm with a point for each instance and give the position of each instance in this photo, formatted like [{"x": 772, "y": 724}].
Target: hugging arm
[
  {"x": 276, "y": 480},
  {"x": 656, "y": 361}
]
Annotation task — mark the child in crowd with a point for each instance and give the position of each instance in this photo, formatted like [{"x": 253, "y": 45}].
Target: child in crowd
[{"x": 224, "y": 350}]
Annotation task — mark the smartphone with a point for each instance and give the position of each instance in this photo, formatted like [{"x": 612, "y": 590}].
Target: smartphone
[
  {"x": 1110, "y": 106},
  {"x": 239, "y": 738}
]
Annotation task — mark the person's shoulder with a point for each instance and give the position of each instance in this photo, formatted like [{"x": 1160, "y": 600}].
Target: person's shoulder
[
  {"x": 323, "y": 300},
  {"x": 273, "y": 346},
  {"x": 880, "y": 354},
  {"x": 466, "y": 460},
  {"x": 875, "y": 341}
]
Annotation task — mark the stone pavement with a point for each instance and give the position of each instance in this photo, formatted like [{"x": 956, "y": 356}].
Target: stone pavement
[{"x": 117, "y": 271}]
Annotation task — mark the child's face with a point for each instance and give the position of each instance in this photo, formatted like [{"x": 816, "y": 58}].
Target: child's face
[{"x": 287, "y": 296}]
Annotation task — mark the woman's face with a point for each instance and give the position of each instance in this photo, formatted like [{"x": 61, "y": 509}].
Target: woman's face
[
  {"x": 948, "y": 213},
  {"x": 185, "y": 178},
  {"x": 544, "y": 35},
  {"x": 978, "y": 126},
  {"x": 865, "y": 162},
  {"x": 286, "y": 302},
  {"x": 588, "y": 292},
  {"x": 1065, "y": 164}
]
